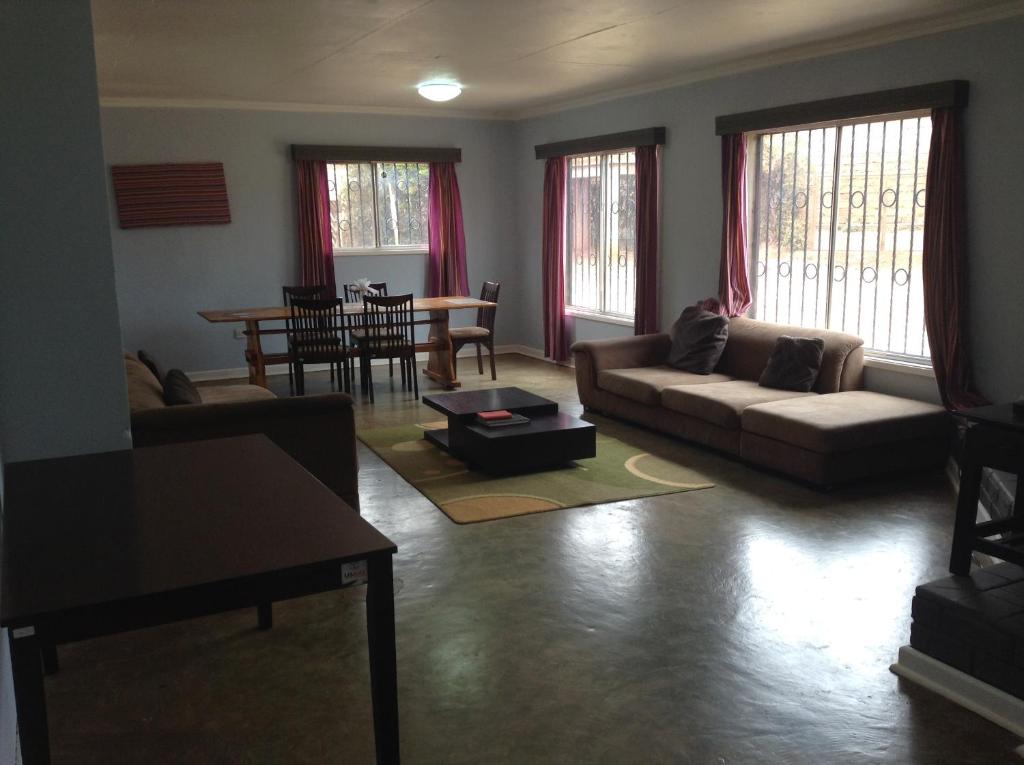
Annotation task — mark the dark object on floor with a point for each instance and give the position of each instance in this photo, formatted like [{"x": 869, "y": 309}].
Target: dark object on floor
[
  {"x": 794, "y": 364},
  {"x": 549, "y": 439},
  {"x": 994, "y": 439},
  {"x": 975, "y": 624},
  {"x": 482, "y": 335},
  {"x": 159, "y": 535},
  {"x": 698, "y": 340}
]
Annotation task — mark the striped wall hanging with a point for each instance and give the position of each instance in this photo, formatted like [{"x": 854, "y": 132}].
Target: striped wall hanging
[{"x": 171, "y": 195}]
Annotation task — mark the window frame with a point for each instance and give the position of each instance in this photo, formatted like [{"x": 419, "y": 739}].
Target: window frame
[
  {"x": 586, "y": 312},
  {"x": 378, "y": 249},
  {"x": 910, "y": 363}
]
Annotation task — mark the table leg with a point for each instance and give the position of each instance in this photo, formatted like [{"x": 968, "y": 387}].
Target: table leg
[
  {"x": 439, "y": 364},
  {"x": 966, "y": 516},
  {"x": 380, "y": 628},
  {"x": 257, "y": 366},
  {"x": 29, "y": 696}
]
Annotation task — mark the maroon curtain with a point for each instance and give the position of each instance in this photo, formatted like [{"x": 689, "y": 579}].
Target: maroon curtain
[
  {"x": 316, "y": 250},
  {"x": 944, "y": 263},
  {"x": 556, "y": 335},
  {"x": 648, "y": 193},
  {"x": 733, "y": 282},
  {"x": 447, "y": 261}
]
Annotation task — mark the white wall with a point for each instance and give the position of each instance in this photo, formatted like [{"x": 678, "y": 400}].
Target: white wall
[
  {"x": 991, "y": 57},
  {"x": 165, "y": 275},
  {"x": 62, "y": 388}
]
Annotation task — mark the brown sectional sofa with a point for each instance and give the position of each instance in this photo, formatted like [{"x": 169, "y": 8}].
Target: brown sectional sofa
[
  {"x": 833, "y": 434},
  {"x": 317, "y": 431}
]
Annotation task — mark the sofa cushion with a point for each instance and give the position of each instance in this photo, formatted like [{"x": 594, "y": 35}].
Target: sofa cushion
[
  {"x": 179, "y": 390},
  {"x": 845, "y": 421},
  {"x": 751, "y": 343},
  {"x": 144, "y": 390},
  {"x": 721, "y": 403},
  {"x": 794, "y": 364},
  {"x": 229, "y": 394},
  {"x": 644, "y": 384},
  {"x": 698, "y": 339},
  {"x": 152, "y": 364}
]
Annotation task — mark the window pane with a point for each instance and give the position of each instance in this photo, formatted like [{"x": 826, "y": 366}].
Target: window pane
[
  {"x": 402, "y": 193},
  {"x": 601, "y": 232},
  {"x": 351, "y": 194},
  {"x": 838, "y": 222}
]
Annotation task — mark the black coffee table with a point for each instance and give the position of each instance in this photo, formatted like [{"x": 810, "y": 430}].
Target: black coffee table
[{"x": 551, "y": 438}]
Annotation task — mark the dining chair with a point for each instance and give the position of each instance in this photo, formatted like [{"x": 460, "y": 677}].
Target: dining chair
[
  {"x": 316, "y": 336},
  {"x": 302, "y": 292},
  {"x": 482, "y": 335},
  {"x": 387, "y": 323},
  {"x": 353, "y": 295}
]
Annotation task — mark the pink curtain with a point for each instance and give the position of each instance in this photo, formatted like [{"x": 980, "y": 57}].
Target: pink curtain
[
  {"x": 316, "y": 250},
  {"x": 447, "y": 263},
  {"x": 648, "y": 192},
  {"x": 556, "y": 335},
  {"x": 733, "y": 282},
  {"x": 944, "y": 263}
]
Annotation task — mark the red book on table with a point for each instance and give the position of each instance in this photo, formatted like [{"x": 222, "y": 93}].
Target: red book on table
[{"x": 497, "y": 414}]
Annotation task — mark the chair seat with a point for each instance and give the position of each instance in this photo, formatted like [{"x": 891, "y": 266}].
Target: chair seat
[{"x": 469, "y": 333}]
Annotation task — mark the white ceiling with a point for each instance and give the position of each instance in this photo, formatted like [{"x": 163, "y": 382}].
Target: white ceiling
[{"x": 513, "y": 57}]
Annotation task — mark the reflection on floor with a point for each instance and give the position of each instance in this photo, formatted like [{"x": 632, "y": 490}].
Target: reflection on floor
[{"x": 749, "y": 623}]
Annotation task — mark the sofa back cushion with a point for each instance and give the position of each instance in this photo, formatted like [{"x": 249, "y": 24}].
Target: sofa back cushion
[
  {"x": 698, "y": 339},
  {"x": 144, "y": 390},
  {"x": 751, "y": 343}
]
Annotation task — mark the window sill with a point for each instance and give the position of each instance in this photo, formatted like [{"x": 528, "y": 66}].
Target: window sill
[
  {"x": 583, "y": 313},
  {"x": 901, "y": 367},
  {"x": 380, "y": 251}
]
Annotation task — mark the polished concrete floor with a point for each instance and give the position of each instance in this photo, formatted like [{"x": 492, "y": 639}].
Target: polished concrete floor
[{"x": 750, "y": 623}]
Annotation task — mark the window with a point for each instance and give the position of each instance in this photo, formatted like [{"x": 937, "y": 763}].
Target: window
[
  {"x": 378, "y": 206},
  {"x": 838, "y": 222},
  {"x": 601, "y": 234}
]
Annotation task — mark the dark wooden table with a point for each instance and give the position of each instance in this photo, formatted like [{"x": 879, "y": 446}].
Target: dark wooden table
[
  {"x": 104, "y": 543},
  {"x": 551, "y": 438},
  {"x": 994, "y": 439}
]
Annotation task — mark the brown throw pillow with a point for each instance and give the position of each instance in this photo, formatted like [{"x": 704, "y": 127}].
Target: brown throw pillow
[
  {"x": 154, "y": 366},
  {"x": 698, "y": 339},
  {"x": 794, "y": 364},
  {"x": 178, "y": 389}
]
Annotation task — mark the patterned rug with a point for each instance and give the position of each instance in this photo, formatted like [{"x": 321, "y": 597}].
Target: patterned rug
[{"x": 619, "y": 471}]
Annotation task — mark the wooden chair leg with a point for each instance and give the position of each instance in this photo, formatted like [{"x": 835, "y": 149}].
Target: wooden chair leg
[
  {"x": 300, "y": 379},
  {"x": 412, "y": 372},
  {"x": 479, "y": 359},
  {"x": 291, "y": 379},
  {"x": 490, "y": 352},
  {"x": 391, "y": 366}
]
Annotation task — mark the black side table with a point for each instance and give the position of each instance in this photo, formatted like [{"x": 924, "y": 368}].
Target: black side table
[{"x": 994, "y": 439}]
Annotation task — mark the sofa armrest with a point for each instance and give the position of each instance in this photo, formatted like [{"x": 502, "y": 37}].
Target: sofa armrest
[
  {"x": 593, "y": 356},
  {"x": 317, "y": 431}
]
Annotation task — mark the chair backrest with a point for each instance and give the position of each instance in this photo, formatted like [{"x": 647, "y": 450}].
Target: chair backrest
[
  {"x": 388, "y": 321},
  {"x": 315, "y": 326},
  {"x": 315, "y": 292},
  {"x": 485, "y": 316},
  {"x": 352, "y": 294}
]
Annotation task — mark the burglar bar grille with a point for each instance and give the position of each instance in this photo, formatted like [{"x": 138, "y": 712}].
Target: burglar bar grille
[{"x": 838, "y": 231}]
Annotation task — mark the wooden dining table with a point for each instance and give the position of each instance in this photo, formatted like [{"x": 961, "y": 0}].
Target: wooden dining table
[{"x": 440, "y": 365}]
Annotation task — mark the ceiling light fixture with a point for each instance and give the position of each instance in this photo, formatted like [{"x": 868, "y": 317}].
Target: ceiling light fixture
[{"x": 439, "y": 91}]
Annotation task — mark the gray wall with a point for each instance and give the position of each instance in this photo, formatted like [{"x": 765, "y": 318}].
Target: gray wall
[
  {"x": 165, "y": 275},
  {"x": 990, "y": 56},
  {"x": 62, "y": 388}
]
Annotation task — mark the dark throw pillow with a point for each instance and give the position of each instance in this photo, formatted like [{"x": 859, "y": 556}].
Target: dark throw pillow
[
  {"x": 154, "y": 366},
  {"x": 178, "y": 389},
  {"x": 698, "y": 339},
  {"x": 794, "y": 364}
]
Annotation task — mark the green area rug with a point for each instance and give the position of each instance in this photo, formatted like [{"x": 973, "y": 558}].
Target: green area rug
[{"x": 619, "y": 471}]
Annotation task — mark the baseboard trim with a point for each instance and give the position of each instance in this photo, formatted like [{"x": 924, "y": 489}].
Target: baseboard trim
[
  {"x": 468, "y": 352},
  {"x": 968, "y": 692}
]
